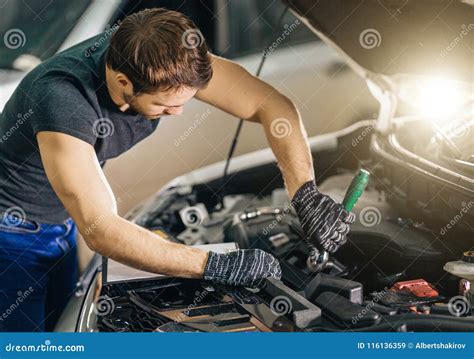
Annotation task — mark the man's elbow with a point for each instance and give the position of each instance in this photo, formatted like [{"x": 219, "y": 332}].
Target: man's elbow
[
  {"x": 92, "y": 238},
  {"x": 95, "y": 233},
  {"x": 276, "y": 106},
  {"x": 288, "y": 105}
]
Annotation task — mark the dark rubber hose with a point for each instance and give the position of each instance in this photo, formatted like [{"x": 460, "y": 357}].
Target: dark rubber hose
[{"x": 419, "y": 323}]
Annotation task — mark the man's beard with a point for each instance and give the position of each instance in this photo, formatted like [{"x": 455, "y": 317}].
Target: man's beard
[{"x": 131, "y": 101}]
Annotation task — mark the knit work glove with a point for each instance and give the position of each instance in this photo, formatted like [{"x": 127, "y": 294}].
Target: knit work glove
[
  {"x": 246, "y": 267},
  {"x": 325, "y": 222}
]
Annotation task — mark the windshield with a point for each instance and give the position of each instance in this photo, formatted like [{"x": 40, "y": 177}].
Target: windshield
[{"x": 36, "y": 28}]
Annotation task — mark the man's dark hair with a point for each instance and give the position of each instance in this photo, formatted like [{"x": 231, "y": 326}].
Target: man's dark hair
[{"x": 160, "y": 49}]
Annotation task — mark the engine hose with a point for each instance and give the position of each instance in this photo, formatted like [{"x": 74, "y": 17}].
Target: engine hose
[{"x": 418, "y": 323}]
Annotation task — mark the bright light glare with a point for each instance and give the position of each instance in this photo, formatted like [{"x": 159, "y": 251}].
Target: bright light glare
[{"x": 438, "y": 98}]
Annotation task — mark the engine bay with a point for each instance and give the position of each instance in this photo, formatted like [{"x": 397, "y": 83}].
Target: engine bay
[{"x": 389, "y": 275}]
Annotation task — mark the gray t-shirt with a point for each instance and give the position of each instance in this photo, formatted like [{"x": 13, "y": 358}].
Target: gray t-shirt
[{"x": 68, "y": 94}]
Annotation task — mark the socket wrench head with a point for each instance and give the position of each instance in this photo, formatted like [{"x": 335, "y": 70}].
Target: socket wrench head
[{"x": 317, "y": 263}]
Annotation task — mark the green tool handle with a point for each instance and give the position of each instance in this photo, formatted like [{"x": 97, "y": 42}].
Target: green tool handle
[
  {"x": 355, "y": 190},
  {"x": 317, "y": 263}
]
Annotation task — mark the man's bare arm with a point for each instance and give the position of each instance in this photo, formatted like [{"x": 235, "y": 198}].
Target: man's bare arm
[
  {"x": 234, "y": 90},
  {"x": 75, "y": 174}
]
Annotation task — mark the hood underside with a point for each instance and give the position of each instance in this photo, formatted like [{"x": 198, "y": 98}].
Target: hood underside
[{"x": 423, "y": 37}]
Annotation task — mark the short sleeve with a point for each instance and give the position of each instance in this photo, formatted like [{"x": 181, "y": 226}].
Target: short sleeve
[{"x": 61, "y": 106}]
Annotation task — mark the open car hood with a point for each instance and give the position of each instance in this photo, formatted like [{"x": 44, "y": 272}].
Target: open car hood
[
  {"x": 390, "y": 37},
  {"x": 400, "y": 47}
]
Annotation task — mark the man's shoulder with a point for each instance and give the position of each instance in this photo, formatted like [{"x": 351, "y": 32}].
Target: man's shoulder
[
  {"x": 67, "y": 74},
  {"x": 51, "y": 87},
  {"x": 64, "y": 84}
]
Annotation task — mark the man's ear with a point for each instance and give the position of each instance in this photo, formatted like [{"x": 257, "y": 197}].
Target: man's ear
[{"x": 124, "y": 82}]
